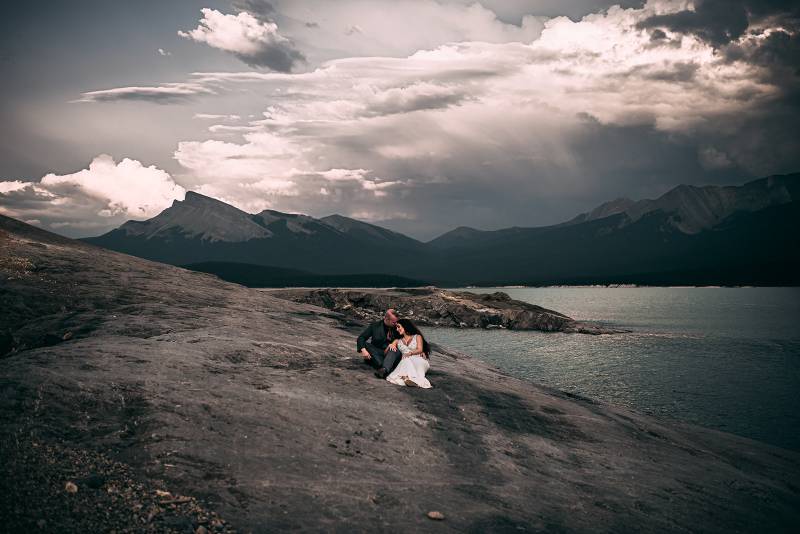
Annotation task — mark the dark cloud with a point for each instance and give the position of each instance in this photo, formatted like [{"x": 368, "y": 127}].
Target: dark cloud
[
  {"x": 678, "y": 72},
  {"x": 715, "y": 21},
  {"x": 763, "y": 37},
  {"x": 608, "y": 161},
  {"x": 779, "y": 47},
  {"x": 408, "y": 100},
  {"x": 778, "y": 51},
  {"x": 721, "y": 21},
  {"x": 137, "y": 95},
  {"x": 163, "y": 94},
  {"x": 261, "y": 9},
  {"x": 278, "y": 56},
  {"x": 658, "y": 35}
]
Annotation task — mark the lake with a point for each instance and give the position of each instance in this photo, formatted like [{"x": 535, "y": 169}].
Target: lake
[{"x": 724, "y": 358}]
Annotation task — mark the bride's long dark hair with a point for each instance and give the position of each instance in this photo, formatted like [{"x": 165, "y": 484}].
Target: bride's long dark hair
[{"x": 412, "y": 329}]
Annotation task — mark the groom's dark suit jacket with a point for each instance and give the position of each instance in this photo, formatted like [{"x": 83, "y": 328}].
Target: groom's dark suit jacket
[{"x": 377, "y": 333}]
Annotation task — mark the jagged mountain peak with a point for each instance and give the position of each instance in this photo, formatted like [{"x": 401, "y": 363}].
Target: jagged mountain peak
[
  {"x": 199, "y": 216},
  {"x": 296, "y": 223},
  {"x": 606, "y": 209},
  {"x": 694, "y": 208},
  {"x": 193, "y": 197}
]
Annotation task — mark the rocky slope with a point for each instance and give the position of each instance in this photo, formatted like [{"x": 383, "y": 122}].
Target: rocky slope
[
  {"x": 431, "y": 306},
  {"x": 127, "y": 378}
]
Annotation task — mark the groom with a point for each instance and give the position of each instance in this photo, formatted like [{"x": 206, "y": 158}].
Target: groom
[{"x": 373, "y": 341}]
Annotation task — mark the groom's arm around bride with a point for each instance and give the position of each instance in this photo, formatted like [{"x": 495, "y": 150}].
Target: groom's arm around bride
[{"x": 374, "y": 341}]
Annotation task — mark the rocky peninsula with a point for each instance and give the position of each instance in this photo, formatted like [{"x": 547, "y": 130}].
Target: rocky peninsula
[
  {"x": 136, "y": 396},
  {"x": 432, "y": 306}
]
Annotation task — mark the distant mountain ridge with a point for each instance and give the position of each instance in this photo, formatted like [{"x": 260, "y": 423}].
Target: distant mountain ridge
[
  {"x": 700, "y": 208},
  {"x": 691, "y": 209},
  {"x": 202, "y": 217},
  {"x": 202, "y": 229},
  {"x": 713, "y": 234},
  {"x": 209, "y": 219}
]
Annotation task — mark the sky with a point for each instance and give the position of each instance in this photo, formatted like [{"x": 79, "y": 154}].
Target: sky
[{"x": 417, "y": 115}]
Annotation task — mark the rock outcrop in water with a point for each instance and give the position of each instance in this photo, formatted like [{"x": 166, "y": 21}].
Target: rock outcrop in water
[
  {"x": 128, "y": 379},
  {"x": 431, "y": 306}
]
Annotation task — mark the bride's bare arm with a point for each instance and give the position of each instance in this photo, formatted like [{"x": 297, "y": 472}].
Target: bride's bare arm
[{"x": 419, "y": 350}]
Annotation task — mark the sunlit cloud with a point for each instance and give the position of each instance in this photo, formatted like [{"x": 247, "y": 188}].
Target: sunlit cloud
[
  {"x": 103, "y": 194},
  {"x": 257, "y": 43}
]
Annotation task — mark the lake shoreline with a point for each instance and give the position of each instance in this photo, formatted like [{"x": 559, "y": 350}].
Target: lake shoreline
[
  {"x": 433, "y": 306},
  {"x": 703, "y": 355}
]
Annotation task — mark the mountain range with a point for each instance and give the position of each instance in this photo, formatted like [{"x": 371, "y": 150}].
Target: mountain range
[{"x": 711, "y": 235}]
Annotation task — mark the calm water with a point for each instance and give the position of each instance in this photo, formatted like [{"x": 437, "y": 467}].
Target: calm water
[{"x": 725, "y": 358}]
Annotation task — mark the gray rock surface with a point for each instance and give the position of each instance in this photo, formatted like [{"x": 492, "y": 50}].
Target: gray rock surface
[
  {"x": 260, "y": 409},
  {"x": 432, "y": 306}
]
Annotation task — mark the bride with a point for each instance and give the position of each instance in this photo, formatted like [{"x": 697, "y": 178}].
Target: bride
[{"x": 415, "y": 350}]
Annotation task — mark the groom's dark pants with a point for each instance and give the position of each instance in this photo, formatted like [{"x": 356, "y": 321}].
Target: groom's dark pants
[{"x": 387, "y": 360}]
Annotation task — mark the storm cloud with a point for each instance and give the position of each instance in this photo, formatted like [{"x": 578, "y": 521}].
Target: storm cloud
[
  {"x": 721, "y": 21},
  {"x": 487, "y": 121}
]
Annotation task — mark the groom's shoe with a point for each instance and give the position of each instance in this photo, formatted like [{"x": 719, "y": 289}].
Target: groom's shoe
[{"x": 381, "y": 373}]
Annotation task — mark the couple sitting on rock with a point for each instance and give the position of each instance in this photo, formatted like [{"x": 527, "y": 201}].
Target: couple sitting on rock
[{"x": 397, "y": 350}]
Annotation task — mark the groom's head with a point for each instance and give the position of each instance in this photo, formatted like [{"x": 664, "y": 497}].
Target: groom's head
[{"x": 390, "y": 317}]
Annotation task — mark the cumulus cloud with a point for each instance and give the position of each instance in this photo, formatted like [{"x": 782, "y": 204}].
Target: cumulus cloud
[
  {"x": 353, "y": 28},
  {"x": 520, "y": 124},
  {"x": 361, "y": 177},
  {"x": 99, "y": 197},
  {"x": 591, "y": 96},
  {"x": 13, "y": 185},
  {"x": 255, "y": 42},
  {"x": 602, "y": 66},
  {"x": 414, "y": 97}
]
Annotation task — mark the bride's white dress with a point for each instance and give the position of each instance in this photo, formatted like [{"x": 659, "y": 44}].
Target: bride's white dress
[{"x": 410, "y": 367}]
